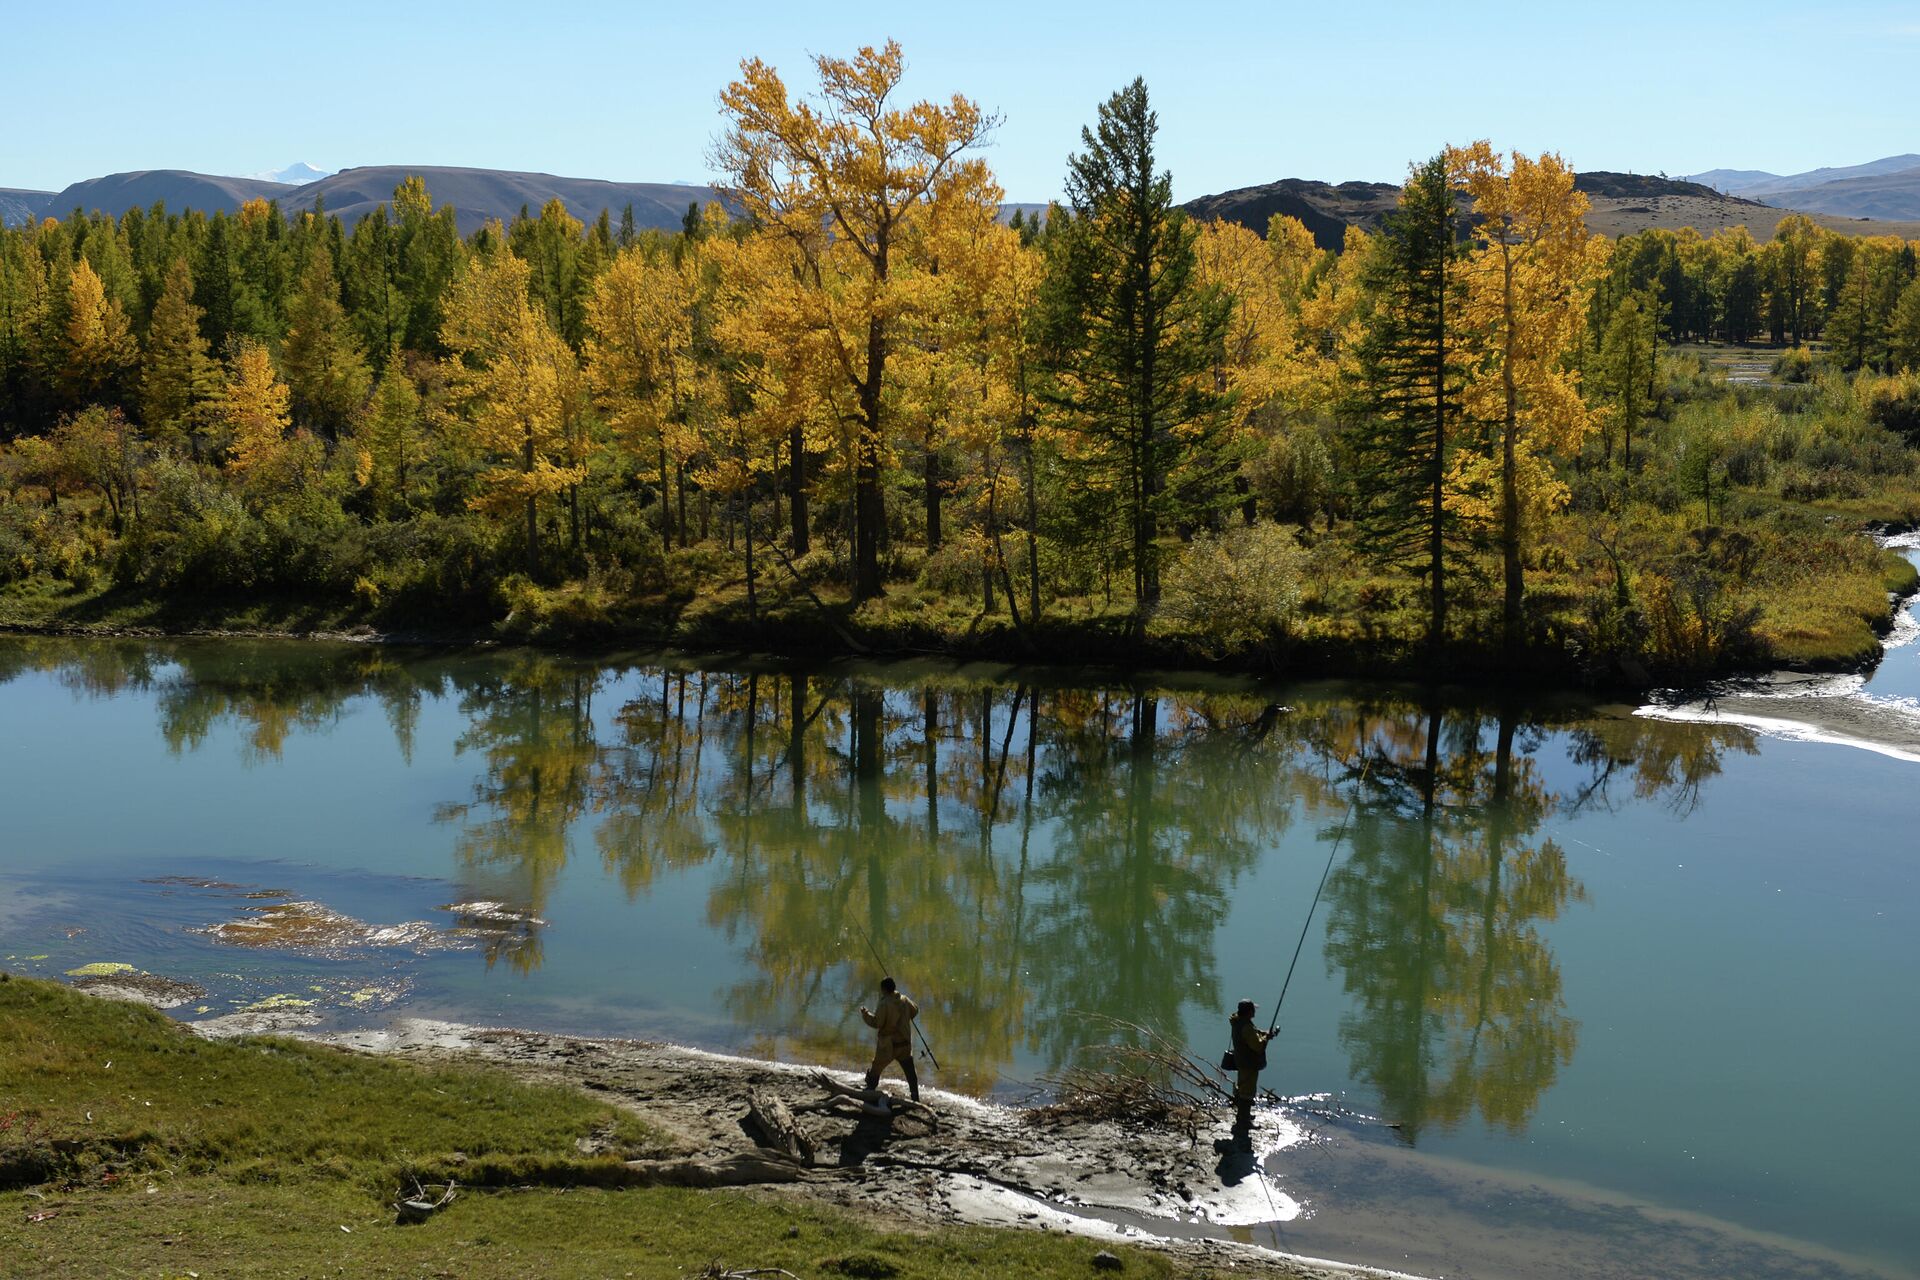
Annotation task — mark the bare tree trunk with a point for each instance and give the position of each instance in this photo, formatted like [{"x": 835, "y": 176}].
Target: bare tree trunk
[
  {"x": 666, "y": 502},
  {"x": 797, "y": 490},
  {"x": 746, "y": 516},
  {"x": 869, "y": 507},
  {"x": 1512, "y": 616},
  {"x": 932, "y": 500}
]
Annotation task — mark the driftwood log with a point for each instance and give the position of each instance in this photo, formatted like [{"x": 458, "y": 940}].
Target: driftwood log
[
  {"x": 777, "y": 1127},
  {"x": 743, "y": 1170},
  {"x": 845, "y": 1100}
]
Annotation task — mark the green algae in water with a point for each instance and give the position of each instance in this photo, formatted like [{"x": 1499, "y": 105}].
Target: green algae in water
[{"x": 98, "y": 969}]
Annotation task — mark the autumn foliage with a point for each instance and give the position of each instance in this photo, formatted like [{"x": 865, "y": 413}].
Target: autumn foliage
[{"x": 852, "y": 390}]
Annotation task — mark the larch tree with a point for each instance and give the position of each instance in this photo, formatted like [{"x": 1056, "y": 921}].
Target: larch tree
[
  {"x": 255, "y": 412},
  {"x": 511, "y": 380},
  {"x": 1135, "y": 333},
  {"x": 389, "y": 442},
  {"x": 1903, "y": 335},
  {"x": 179, "y": 379},
  {"x": 1526, "y": 297},
  {"x": 1626, "y": 369},
  {"x": 1857, "y": 321},
  {"x": 642, "y": 367},
  {"x": 843, "y": 177},
  {"x": 1797, "y": 274},
  {"x": 97, "y": 346}
]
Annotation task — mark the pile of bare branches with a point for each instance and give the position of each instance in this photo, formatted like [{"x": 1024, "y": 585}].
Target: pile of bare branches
[{"x": 1138, "y": 1078}]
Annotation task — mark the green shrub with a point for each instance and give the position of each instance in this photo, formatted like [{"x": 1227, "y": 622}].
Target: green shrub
[
  {"x": 959, "y": 566},
  {"x": 1794, "y": 365},
  {"x": 1235, "y": 589},
  {"x": 1893, "y": 403}
]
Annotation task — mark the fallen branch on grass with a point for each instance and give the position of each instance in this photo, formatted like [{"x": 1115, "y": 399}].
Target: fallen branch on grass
[{"x": 418, "y": 1207}]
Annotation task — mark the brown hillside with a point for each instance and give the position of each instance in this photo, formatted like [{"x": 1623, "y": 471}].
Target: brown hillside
[{"x": 1621, "y": 204}]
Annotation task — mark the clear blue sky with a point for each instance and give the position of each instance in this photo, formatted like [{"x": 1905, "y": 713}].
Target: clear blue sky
[{"x": 1246, "y": 93}]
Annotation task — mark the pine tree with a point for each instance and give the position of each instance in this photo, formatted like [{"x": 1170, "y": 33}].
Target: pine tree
[
  {"x": 180, "y": 377},
  {"x": 1413, "y": 369},
  {"x": 1134, "y": 334}
]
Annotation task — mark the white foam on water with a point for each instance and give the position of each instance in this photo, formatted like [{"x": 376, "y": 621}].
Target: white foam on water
[{"x": 1775, "y": 727}]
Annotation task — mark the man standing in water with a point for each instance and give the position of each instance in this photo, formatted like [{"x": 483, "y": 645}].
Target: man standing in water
[
  {"x": 1249, "y": 1058},
  {"x": 893, "y": 1035}
]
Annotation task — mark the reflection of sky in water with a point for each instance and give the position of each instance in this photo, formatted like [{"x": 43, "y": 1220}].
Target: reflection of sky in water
[{"x": 1668, "y": 961}]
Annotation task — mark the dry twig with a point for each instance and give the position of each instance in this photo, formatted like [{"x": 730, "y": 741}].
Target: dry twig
[{"x": 1151, "y": 1082}]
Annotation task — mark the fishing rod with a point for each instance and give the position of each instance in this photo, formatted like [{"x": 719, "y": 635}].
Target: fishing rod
[
  {"x": 1339, "y": 837},
  {"x": 885, "y": 968}
]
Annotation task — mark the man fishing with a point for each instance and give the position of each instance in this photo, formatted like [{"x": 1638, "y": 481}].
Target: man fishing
[
  {"x": 892, "y": 1026},
  {"x": 1249, "y": 1058}
]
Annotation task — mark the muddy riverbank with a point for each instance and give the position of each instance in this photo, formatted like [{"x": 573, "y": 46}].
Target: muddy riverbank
[{"x": 1313, "y": 1185}]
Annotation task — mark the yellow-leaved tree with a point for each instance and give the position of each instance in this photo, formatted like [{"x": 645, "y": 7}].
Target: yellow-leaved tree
[
  {"x": 255, "y": 414},
  {"x": 1527, "y": 282},
  {"x": 97, "y": 345},
  {"x": 753, "y": 396},
  {"x": 514, "y": 390},
  {"x": 842, "y": 180},
  {"x": 642, "y": 367},
  {"x": 943, "y": 350}
]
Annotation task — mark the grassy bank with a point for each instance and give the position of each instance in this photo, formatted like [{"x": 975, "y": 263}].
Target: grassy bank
[
  {"x": 130, "y": 1146},
  {"x": 1815, "y": 603}
]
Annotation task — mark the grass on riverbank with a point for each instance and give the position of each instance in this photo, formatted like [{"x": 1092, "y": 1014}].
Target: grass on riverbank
[
  {"x": 137, "y": 1144},
  {"x": 1782, "y": 574}
]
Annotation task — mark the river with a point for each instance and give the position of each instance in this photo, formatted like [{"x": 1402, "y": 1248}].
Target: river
[{"x": 1587, "y": 960}]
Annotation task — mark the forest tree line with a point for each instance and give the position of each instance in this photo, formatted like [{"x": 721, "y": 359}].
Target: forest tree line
[{"x": 856, "y": 374}]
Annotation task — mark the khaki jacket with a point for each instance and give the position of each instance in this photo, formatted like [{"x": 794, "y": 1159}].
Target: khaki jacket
[
  {"x": 1249, "y": 1043},
  {"x": 892, "y": 1022}
]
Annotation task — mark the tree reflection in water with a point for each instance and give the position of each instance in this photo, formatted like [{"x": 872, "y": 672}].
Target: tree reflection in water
[{"x": 1036, "y": 858}]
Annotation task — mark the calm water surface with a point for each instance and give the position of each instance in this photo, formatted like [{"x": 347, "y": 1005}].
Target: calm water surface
[{"x": 1670, "y": 961}]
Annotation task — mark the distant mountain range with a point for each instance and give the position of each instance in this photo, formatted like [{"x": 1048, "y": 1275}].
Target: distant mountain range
[
  {"x": 1888, "y": 188},
  {"x": 475, "y": 194},
  {"x": 1886, "y": 191},
  {"x": 18, "y": 206}
]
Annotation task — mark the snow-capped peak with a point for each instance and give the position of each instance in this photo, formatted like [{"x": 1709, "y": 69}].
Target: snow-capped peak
[{"x": 298, "y": 174}]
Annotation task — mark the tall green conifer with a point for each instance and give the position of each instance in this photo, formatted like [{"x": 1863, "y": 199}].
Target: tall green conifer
[
  {"x": 324, "y": 368},
  {"x": 1413, "y": 365},
  {"x": 1134, "y": 334},
  {"x": 180, "y": 377}
]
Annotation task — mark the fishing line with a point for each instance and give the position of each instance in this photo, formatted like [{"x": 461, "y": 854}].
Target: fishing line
[
  {"x": 1345, "y": 824},
  {"x": 885, "y": 968}
]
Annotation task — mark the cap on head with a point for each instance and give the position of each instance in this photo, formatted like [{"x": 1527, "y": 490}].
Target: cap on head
[
  {"x": 886, "y": 985},
  {"x": 1246, "y": 1006}
]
